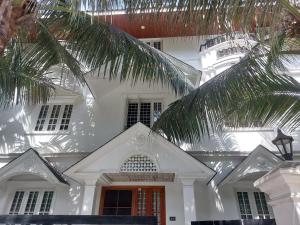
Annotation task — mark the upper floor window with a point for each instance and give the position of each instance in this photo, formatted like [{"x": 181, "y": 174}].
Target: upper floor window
[
  {"x": 31, "y": 202},
  {"x": 261, "y": 205},
  {"x": 155, "y": 44},
  {"x": 54, "y": 117},
  {"x": 244, "y": 205},
  {"x": 146, "y": 112}
]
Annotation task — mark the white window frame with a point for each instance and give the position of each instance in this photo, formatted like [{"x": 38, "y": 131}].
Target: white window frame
[
  {"x": 252, "y": 202},
  {"x": 25, "y": 199},
  {"x": 139, "y": 101},
  {"x": 152, "y": 43},
  {"x": 48, "y": 117}
]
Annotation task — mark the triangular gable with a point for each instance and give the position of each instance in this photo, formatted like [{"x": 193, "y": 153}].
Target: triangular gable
[
  {"x": 30, "y": 162},
  {"x": 178, "y": 160},
  {"x": 260, "y": 160}
]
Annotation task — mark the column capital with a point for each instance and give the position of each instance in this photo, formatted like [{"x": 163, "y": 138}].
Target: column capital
[
  {"x": 187, "y": 181},
  {"x": 282, "y": 184}
]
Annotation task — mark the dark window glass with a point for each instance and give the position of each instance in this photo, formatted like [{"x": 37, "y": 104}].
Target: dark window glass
[{"x": 117, "y": 202}]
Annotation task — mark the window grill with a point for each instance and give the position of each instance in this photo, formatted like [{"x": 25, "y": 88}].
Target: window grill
[
  {"x": 244, "y": 205},
  {"x": 138, "y": 163},
  {"x": 147, "y": 112},
  {"x": 132, "y": 114}
]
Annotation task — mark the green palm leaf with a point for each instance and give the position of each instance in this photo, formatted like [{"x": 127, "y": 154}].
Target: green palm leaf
[
  {"x": 238, "y": 94},
  {"x": 20, "y": 83}
]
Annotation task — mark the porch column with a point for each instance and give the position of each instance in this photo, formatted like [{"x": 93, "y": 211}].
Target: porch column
[
  {"x": 188, "y": 200},
  {"x": 282, "y": 185},
  {"x": 88, "y": 197}
]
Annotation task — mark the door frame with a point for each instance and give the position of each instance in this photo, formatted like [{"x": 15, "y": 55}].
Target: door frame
[{"x": 134, "y": 198}]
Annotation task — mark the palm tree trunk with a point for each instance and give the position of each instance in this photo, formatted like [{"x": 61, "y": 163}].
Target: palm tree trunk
[{"x": 5, "y": 21}]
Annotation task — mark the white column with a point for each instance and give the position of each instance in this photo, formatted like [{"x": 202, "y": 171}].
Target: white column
[
  {"x": 188, "y": 200},
  {"x": 282, "y": 185},
  {"x": 88, "y": 197}
]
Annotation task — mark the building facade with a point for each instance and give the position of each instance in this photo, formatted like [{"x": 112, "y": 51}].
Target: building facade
[{"x": 90, "y": 151}]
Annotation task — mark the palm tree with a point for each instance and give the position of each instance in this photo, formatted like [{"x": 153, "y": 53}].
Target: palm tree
[{"x": 254, "y": 88}]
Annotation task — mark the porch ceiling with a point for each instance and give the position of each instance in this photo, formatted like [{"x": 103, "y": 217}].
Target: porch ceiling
[{"x": 140, "y": 177}]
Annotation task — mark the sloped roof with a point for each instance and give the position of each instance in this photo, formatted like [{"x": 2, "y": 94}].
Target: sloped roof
[
  {"x": 30, "y": 162},
  {"x": 258, "y": 161}
]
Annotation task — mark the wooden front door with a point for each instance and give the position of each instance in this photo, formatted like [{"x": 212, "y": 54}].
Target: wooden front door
[{"x": 134, "y": 201}]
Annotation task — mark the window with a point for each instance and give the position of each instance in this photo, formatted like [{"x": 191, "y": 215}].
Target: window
[
  {"x": 117, "y": 202},
  {"x": 155, "y": 44},
  {"x": 261, "y": 205},
  {"x": 50, "y": 116},
  {"x": 54, "y": 117},
  {"x": 31, "y": 202},
  {"x": 146, "y": 112},
  {"x": 42, "y": 117},
  {"x": 66, "y": 117},
  {"x": 244, "y": 205}
]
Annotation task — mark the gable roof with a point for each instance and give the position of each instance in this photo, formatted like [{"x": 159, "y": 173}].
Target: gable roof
[
  {"x": 30, "y": 162},
  {"x": 259, "y": 160},
  {"x": 136, "y": 130}
]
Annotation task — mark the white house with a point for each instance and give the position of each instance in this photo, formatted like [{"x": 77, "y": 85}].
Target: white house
[{"x": 90, "y": 151}]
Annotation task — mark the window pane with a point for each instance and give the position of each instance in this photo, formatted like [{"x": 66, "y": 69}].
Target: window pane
[
  {"x": 16, "y": 203},
  {"x": 42, "y": 117},
  {"x": 132, "y": 114},
  {"x": 111, "y": 198},
  {"x": 157, "y": 108},
  {"x": 46, "y": 203},
  {"x": 31, "y": 202},
  {"x": 261, "y": 205},
  {"x": 117, "y": 202},
  {"x": 64, "y": 125},
  {"x": 53, "y": 117},
  {"x": 244, "y": 205},
  {"x": 145, "y": 114}
]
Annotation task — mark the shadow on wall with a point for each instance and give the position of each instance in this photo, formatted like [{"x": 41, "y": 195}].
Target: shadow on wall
[{"x": 17, "y": 131}]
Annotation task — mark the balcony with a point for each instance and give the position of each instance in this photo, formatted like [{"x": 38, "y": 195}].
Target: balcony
[{"x": 224, "y": 38}]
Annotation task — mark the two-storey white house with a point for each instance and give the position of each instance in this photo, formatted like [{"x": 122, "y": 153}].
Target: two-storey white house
[{"x": 90, "y": 151}]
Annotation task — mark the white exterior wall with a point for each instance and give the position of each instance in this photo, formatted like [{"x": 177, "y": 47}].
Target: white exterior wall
[{"x": 96, "y": 120}]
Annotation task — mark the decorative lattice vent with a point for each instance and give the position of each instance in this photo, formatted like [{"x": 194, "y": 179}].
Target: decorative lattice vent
[{"x": 139, "y": 163}]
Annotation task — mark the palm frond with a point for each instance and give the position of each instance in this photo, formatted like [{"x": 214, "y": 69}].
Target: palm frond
[
  {"x": 21, "y": 83},
  {"x": 122, "y": 56},
  {"x": 206, "y": 109}
]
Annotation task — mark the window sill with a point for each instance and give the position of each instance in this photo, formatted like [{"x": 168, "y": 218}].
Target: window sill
[{"x": 49, "y": 133}]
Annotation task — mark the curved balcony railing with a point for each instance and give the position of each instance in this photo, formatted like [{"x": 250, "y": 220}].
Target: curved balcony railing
[
  {"x": 223, "y": 38},
  {"x": 231, "y": 51}
]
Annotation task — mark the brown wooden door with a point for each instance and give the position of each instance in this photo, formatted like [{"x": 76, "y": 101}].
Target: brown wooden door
[{"x": 135, "y": 201}]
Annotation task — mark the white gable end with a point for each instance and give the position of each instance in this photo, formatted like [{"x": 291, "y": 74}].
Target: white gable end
[
  {"x": 29, "y": 163},
  {"x": 139, "y": 143}
]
